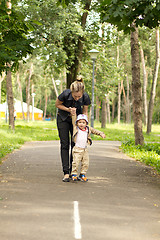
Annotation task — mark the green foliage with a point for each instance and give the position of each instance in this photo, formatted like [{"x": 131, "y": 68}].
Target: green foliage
[
  {"x": 51, "y": 108},
  {"x": 57, "y": 35},
  {"x": 33, "y": 131},
  {"x": 14, "y": 43},
  {"x": 149, "y": 153},
  {"x": 122, "y": 13},
  {"x": 3, "y": 92}
]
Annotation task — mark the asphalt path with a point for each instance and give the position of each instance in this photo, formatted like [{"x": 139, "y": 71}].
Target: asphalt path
[{"x": 121, "y": 200}]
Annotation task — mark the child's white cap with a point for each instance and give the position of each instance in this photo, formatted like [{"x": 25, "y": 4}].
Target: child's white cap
[{"x": 82, "y": 116}]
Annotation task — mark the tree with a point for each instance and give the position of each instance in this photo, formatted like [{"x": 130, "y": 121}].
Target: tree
[
  {"x": 21, "y": 94},
  {"x": 154, "y": 83},
  {"x": 136, "y": 88},
  {"x": 14, "y": 45},
  {"x": 144, "y": 84},
  {"x": 1, "y": 80},
  {"x": 127, "y": 16},
  {"x": 61, "y": 34},
  {"x": 74, "y": 68}
]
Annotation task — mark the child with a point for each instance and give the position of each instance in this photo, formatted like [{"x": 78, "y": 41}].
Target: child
[{"x": 81, "y": 136}]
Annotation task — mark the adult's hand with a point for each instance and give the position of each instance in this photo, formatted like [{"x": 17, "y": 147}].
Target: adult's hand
[{"x": 72, "y": 111}]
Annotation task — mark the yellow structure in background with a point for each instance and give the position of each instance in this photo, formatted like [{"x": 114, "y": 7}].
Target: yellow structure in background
[{"x": 38, "y": 113}]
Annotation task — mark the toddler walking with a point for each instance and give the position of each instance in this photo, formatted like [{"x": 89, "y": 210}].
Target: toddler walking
[{"x": 81, "y": 137}]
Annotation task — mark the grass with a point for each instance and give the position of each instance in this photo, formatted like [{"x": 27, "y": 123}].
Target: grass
[
  {"x": 47, "y": 130},
  {"x": 32, "y": 131}
]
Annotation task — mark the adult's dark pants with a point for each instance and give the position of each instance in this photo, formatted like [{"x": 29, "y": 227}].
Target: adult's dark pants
[{"x": 65, "y": 129}]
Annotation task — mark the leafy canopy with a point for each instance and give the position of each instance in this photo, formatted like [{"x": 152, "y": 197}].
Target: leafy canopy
[
  {"x": 122, "y": 13},
  {"x": 14, "y": 43}
]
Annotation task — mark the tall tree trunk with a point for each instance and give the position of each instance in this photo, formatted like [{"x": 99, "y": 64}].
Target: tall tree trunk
[
  {"x": 55, "y": 88},
  {"x": 125, "y": 101},
  {"x": 136, "y": 88},
  {"x": 144, "y": 85},
  {"x": 45, "y": 108},
  {"x": 28, "y": 91},
  {"x": 74, "y": 69},
  {"x": 119, "y": 87},
  {"x": 104, "y": 102},
  {"x": 21, "y": 95},
  {"x": 113, "y": 108},
  {"x": 103, "y": 122},
  {"x": 108, "y": 109},
  {"x": 119, "y": 102},
  {"x": 10, "y": 100},
  {"x": 97, "y": 108},
  {"x": 128, "y": 112},
  {"x": 154, "y": 83},
  {"x": 61, "y": 82},
  {"x": 1, "y": 80}
]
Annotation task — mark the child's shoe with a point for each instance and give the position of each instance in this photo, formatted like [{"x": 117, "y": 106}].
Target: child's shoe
[
  {"x": 82, "y": 178},
  {"x": 74, "y": 177}
]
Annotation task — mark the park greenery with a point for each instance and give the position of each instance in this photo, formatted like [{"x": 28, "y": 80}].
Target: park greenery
[
  {"x": 149, "y": 153},
  {"x": 44, "y": 45}
]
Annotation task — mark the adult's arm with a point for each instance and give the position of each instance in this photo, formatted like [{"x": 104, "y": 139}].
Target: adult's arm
[{"x": 59, "y": 104}]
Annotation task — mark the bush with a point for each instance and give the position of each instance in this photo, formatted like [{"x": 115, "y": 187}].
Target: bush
[{"x": 149, "y": 153}]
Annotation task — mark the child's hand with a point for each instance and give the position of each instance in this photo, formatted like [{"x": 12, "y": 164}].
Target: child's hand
[{"x": 103, "y": 135}]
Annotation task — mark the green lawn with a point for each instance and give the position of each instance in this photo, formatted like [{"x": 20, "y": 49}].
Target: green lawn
[{"x": 47, "y": 130}]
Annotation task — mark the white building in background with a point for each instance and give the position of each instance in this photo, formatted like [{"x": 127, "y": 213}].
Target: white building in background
[{"x": 38, "y": 113}]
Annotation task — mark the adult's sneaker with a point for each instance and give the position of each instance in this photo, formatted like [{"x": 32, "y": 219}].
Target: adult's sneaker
[{"x": 66, "y": 178}]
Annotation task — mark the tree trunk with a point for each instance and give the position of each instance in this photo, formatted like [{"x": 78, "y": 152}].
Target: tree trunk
[
  {"x": 1, "y": 80},
  {"x": 119, "y": 102},
  {"x": 119, "y": 87},
  {"x": 55, "y": 88},
  {"x": 136, "y": 88},
  {"x": 154, "y": 83},
  {"x": 21, "y": 96},
  {"x": 103, "y": 122},
  {"x": 128, "y": 112},
  {"x": 74, "y": 69},
  {"x": 45, "y": 108},
  {"x": 125, "y": 101},
  {"x": 144, "y": 85},
  {"x": 97, "y": 108},
  {"x": 28, "y": 91},
  {"x": 10, "y": 100},
  {"x": 108, "y": 109},
  {"x": 113, "y": 108}
]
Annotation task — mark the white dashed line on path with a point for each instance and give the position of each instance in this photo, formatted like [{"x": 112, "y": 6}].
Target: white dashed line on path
[{"x": 77, "y": 224}]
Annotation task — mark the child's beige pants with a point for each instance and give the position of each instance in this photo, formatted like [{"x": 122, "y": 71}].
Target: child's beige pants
[{"x": 80, "y": 155}]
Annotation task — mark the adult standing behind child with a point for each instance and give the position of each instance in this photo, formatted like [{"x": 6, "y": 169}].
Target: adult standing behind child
[
  {"x": 81, "y": 136},
  {"x": 69, "y": 102}
]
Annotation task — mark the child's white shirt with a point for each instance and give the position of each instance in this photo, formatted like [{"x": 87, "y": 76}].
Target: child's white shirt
[{"x": 81, "y": 140}]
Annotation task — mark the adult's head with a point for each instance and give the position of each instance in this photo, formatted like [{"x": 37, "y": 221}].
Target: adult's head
[{"x": 77, "y": 88}]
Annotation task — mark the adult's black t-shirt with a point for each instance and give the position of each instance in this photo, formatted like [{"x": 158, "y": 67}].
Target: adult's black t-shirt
[{"x": 68, "y": 101}]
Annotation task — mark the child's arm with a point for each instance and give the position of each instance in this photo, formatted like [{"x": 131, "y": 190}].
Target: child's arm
[
  {"x": 97, "y": 132},
  {"x": 74, "y": 117},
  {"x": 103, "y": 135}
]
